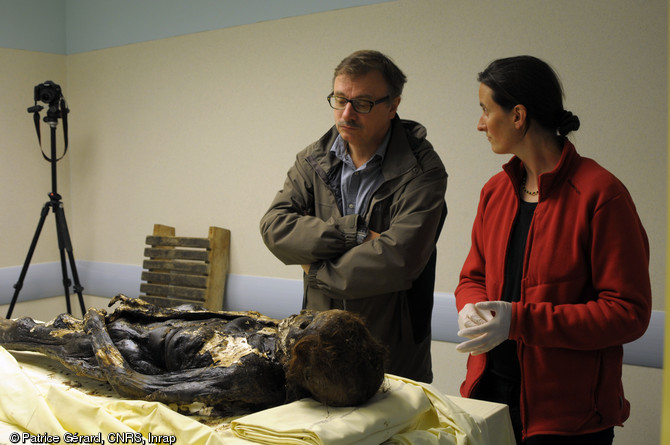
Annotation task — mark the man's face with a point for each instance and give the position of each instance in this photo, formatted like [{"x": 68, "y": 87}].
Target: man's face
[{"x": 364, "y": 132}]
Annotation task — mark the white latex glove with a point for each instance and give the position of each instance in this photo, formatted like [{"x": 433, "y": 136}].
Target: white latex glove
[
  {"x": 469, "y": 317},
  {"x": 486, "y": 336}
]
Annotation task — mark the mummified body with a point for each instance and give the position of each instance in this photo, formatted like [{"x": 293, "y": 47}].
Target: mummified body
[{"x": 234, "y": 361}]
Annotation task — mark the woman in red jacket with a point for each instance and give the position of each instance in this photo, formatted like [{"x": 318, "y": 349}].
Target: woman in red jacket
[{"x": 557, "y": 278}]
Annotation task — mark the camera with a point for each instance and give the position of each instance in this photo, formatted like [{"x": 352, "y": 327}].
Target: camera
[{"x": 48, "y": 92}]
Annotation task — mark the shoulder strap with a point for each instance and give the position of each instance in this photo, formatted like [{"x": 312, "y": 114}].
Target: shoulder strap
[{"x": 63, "y": 115}]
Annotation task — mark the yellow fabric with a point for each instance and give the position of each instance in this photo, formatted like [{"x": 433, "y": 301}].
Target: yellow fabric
[
  {"x": 22, "y": 403},
  {"x": 39, "y": 397},
  {"x": 29, "y": 406},
  {"x": 408, "y": 412},
  {"x": 455, "y": 425},
  {"x": 400, "y": 408}
]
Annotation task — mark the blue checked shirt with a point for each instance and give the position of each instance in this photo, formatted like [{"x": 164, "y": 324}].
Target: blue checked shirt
[{"x": 359, "y": 184}]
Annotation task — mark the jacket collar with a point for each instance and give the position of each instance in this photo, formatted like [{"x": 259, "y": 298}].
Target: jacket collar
[
  {"x": 550, "y": 180},
  {"x": 399, "y": 158}
]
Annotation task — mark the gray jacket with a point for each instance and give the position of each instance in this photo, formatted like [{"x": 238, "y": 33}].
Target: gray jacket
[{"x": 389, "y": 281}]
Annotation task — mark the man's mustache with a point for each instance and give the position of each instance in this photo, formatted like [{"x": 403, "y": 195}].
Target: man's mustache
[{"x": 349, "y": 124}]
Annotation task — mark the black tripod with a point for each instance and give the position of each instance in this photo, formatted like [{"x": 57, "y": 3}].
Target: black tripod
[{"x": 51, "y": 93}]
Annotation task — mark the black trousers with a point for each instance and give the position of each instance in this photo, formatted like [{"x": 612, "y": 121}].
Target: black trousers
[{"x": 495, "y": 389}]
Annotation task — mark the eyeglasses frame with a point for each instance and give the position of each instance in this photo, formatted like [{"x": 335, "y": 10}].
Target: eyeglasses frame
[{"x": 352, "y": 102}]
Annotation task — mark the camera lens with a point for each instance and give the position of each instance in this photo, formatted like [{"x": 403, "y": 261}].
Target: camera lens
[
  {"x": 47, "y": 92},
  {"x": 47, "y": 95}
]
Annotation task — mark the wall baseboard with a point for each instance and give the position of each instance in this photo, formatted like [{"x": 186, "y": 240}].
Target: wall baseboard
[{"x": 274, "y": 297}]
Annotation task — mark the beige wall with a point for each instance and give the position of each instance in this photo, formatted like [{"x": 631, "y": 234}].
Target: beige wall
[
  {"x": 25, "y": 176},
  {"x": 665, "y": 430},
  {"x": 199, "y": 130}
]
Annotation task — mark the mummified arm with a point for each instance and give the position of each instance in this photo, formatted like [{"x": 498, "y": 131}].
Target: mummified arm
[
  {"x": 62, "y": 339},
  {"x": 136, "y": 309},
  {"x": 253, "y": 382}
]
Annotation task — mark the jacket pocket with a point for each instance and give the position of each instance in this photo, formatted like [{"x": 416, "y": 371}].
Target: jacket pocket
[{"x": 560, "y": 387}]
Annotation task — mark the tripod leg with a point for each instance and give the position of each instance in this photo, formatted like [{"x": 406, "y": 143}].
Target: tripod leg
[
  {"x": 65, "y": 245},
  {"x": 66, "y": 280},
  {"x": 19, "y": 284}
]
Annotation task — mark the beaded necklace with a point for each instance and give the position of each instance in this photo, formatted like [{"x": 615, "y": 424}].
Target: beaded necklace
[{"x": 523, "y": 187}]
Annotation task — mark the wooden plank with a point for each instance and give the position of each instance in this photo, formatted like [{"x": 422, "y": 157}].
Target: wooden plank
[
  {"x": 178, "y": 241},
  {"x": 199, "y": 281},
  {"x": 191, "y": 267},
  {"x": 176, "y": 254},
  {"x": 163, "y": 290},
  {"x": 219, "y": 260},
  {"x": 161, "y": 230}
]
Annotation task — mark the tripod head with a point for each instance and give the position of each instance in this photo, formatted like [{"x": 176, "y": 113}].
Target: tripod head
[{"x": 50, "y": 93}]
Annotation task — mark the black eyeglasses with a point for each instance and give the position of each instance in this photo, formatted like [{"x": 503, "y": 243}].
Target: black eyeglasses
[{"x": 362, "y": 106}]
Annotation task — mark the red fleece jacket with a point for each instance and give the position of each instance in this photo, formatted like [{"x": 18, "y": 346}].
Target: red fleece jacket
[{"x": 585, "y": 291}]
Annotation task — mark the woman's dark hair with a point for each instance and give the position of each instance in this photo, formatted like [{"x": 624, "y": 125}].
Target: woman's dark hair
[
  {"x": 337, "y": 362},
  {"x": 529, "y": 81}
]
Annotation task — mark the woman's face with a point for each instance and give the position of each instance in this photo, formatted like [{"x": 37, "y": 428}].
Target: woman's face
[{"x": 497, "y": 123}]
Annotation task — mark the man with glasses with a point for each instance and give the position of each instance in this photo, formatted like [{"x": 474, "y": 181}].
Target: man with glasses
[{"x": 361, "y": 210}]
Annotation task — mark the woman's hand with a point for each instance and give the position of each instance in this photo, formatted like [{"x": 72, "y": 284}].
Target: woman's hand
[{"x": 486, "y": 324}]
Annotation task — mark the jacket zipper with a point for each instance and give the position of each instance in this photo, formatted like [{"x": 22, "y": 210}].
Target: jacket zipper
[{"x": 522, "y": 297}]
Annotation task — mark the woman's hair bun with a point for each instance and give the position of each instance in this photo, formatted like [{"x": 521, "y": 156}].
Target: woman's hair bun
[{"x": 569, "y": 122}]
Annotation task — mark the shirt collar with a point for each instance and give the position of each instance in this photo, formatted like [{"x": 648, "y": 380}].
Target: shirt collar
[{"x": 339, "y": 148}]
